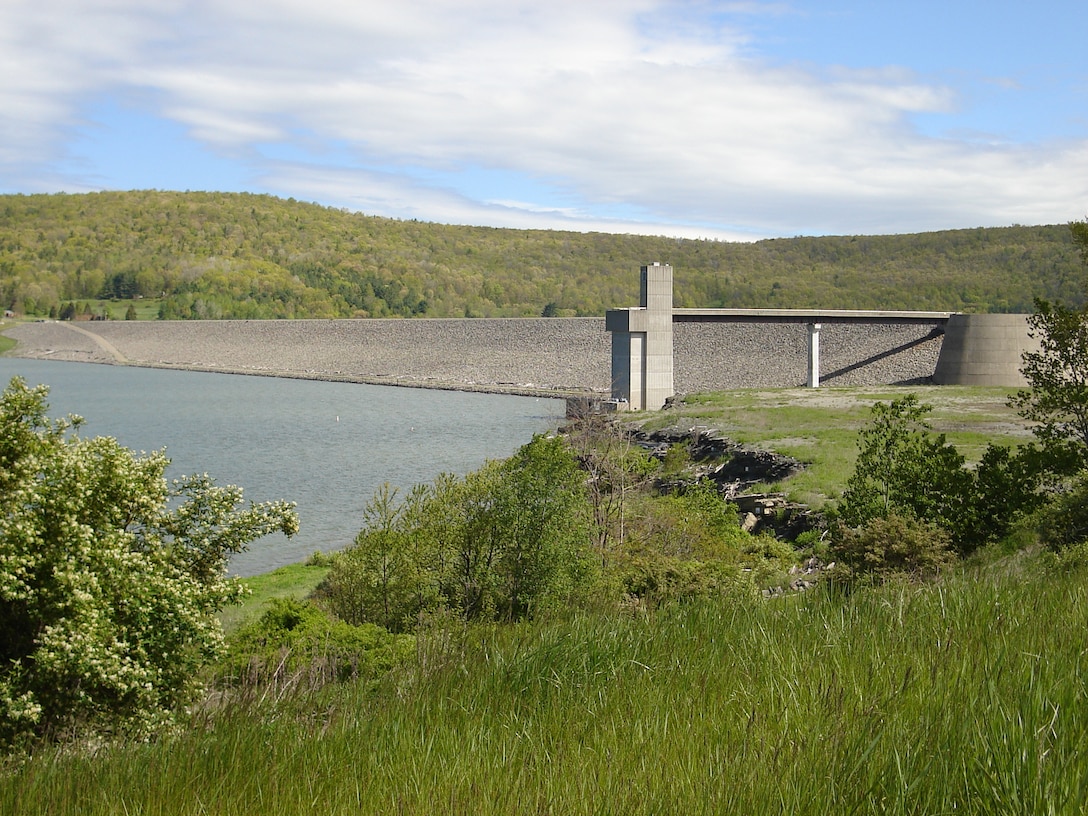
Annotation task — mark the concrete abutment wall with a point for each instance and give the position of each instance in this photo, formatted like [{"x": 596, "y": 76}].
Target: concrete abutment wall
[{"x": 984, "y": 349}]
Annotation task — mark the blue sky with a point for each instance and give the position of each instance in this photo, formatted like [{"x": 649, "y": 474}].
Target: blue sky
[{"x": 733, "y": 120}]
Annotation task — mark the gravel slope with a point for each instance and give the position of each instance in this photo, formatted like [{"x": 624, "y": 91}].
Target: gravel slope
[{"x": 506, "y": 355}]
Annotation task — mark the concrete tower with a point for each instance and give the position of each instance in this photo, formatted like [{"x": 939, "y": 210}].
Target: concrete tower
[{"x": 642, "y": 343}]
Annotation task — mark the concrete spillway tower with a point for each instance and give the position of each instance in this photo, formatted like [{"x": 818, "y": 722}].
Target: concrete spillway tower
[{"x": 642, "y": 343}]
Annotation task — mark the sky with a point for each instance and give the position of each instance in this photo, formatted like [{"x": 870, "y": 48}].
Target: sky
[{"x": 697, "y": 119}]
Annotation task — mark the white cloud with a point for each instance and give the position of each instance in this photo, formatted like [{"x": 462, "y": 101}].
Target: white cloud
[{"x": 651, "y": 105}]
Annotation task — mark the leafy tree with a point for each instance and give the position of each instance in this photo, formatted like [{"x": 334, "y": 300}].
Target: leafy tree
[
  {"x": 110, "y": 579},
  {"x": 902, "y": 466},
  {"x": 1005, "y": 485},
  {"x": 1080, "y": 237},
  {"x": 1057, "y": 374},
  {"x": 903, "y": 469}
]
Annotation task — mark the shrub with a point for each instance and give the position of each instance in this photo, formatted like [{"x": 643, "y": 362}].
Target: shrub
[
  {"x": 890, "y": 547},
  {"x": 110, "y": 580},
  {"x": 692, "y": 522},
  {"x": 297, "y": 641},
  {"x": 653, "y": 579},
  {"x": 1063, "y": 522},
  {"x": 503, "y": 542}
]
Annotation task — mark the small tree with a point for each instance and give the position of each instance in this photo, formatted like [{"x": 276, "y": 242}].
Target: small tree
[
  {"x": 543, "y": 521},
  {"x": 614, "y": 468},
  {"x": 901, "y": 466},
  {"x": 1058, "y": 376},
  {"x": 110, "y": 579},
  {"x": 373, "y": 577}
]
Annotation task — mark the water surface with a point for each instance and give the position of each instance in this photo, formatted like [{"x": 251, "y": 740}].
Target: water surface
[{"x": 326, "y": 446}]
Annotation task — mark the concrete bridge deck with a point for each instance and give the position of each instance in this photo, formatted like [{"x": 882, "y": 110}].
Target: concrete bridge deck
[{"x": 806, "y": 316}]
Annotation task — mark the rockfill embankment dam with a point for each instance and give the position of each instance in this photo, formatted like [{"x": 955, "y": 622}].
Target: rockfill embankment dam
[{"x": 560, "y": 356}]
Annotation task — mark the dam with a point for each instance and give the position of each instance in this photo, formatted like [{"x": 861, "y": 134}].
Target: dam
[{"x": 708, "y": 349}]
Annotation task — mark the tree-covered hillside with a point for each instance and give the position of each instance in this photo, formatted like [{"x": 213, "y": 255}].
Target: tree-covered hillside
[{"x": 228, "y": 255}]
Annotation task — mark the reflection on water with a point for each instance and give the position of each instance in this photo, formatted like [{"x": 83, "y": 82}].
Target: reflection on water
[{"x": 326, "y": 446}]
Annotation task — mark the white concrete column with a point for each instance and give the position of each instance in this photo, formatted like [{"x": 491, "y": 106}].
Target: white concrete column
[{"x": 813, "y": 355}]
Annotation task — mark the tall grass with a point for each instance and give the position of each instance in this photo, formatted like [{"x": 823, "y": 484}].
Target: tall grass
[{"x": 962, "y": 697}]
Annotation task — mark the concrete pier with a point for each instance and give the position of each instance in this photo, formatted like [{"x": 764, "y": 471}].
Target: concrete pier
[{"x": 814, "y": 355}]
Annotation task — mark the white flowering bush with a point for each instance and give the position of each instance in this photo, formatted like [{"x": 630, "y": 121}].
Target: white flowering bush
[{"x": 111, "y": 578}]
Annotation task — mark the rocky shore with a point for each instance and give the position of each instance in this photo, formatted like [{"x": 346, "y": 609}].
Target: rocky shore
[{"x": 558, "y": 356}]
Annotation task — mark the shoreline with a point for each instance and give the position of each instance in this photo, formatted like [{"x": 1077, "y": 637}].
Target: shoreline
[{"x": 468, "y": 387}]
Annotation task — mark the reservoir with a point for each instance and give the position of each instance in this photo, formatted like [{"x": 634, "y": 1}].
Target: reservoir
[{"x": 325, "y": 445}]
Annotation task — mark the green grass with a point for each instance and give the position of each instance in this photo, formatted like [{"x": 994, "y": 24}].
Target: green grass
[
  {"x": 964, "y": 697},
  {"x": 819, "y": 426},
  {"x": 291, "y": 581}
]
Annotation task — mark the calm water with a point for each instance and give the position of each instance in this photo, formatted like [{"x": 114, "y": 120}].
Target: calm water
[{"x": 326, "y": 446}]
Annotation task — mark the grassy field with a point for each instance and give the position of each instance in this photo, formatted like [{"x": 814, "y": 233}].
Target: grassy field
[
  {"x": 145, "y": 308},
  {"x": 819, "y": 426},
  {"x": 6, "y": 343},
  {"x": 964, "y": 697},
  {"x": 292, "y": 581}
]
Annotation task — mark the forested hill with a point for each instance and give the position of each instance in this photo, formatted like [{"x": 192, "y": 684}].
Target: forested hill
[{"x": 212, "y": 255}]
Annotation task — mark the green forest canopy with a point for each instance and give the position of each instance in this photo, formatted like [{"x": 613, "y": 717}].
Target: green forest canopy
[{"x": 238, "y": 255}]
